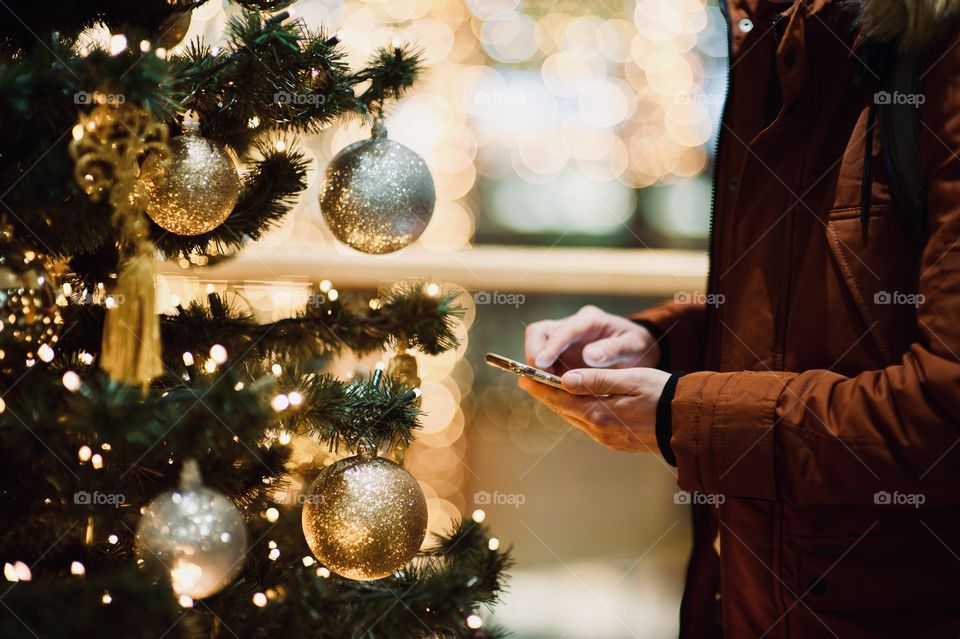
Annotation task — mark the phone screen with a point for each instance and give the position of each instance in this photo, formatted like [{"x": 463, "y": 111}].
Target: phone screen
[{"x": 524, "y": 370}]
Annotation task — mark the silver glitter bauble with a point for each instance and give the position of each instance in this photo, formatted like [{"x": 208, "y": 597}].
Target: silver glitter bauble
[
  {"x": 365, "y": 517},
  {"x": 196, "y": 190},
  {"x": 194, "y": 533},
  {"x": 29, "y": 315},
  {"x": 378, "y": 196}
]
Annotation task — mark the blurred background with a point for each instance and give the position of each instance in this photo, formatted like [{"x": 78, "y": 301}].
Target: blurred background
[{"x": 571, "y": 144}]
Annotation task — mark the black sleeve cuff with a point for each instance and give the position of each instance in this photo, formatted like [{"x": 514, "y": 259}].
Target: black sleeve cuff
[
  {"x": 662, "y": 342},
  {"x": 664, "y": 426}
]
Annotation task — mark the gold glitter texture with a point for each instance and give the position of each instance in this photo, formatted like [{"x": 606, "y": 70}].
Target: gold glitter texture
[
  {"x": 365, "y": 517},
  {"x": 196, "y": 191},
  {"x": 378, "y": 196}
]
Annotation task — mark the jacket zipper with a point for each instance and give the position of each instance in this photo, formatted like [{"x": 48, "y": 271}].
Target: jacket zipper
[{"x": 711, "y": 240}]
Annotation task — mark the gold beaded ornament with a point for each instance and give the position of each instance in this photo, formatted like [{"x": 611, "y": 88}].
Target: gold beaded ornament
[{"x": 108, "y": 145}]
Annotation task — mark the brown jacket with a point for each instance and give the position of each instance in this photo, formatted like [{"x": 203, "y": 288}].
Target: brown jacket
[{"x": 822, "y": 413}]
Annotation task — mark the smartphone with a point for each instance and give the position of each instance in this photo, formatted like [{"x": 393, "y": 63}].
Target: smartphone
[{"x": 523, "y": 370}]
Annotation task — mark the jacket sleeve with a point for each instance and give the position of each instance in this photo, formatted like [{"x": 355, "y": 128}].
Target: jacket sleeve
[
  {"x": 817, "y": 437},
  {"x": 682, "y": 329}
]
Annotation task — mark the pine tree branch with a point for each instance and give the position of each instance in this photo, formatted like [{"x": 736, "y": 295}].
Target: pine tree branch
[
  {"x": 341, "y": 414},
  {"x": 407, "y": 314}
]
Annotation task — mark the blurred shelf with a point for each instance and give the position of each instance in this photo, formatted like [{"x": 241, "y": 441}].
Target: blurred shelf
[{"x": 481, "y": 268}]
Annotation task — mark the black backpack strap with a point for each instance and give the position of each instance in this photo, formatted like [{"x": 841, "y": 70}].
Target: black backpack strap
[{"x": 898, "y": 103}]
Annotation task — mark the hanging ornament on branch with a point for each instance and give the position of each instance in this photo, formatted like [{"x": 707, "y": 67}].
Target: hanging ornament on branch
[
  {"x": 403, "y": 366},
  {"x": 197, "y": 189},
  {"x": 365, "y": 517},
  {"x": 378, "y": 196},
  {"x": 173, "y": 29},
  {"x": 29, "y": 315},
  {"x": 107, "y": 147},
  {"x": 195, "y": 534}
]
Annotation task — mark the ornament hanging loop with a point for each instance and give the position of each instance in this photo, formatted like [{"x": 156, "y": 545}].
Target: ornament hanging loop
[
  {"x": 191, "y": 123},
  {"x": 190, "y": 476},
  {"x": 367, "y": 450},
  {"x": 379, "y": 129}
]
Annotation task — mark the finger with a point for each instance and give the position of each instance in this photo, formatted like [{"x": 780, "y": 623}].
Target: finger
[
  {"x": 603, "y": 381},
  {"x": 535, "y": 338},
  {"x": 559, "y": 338},
  {"x": 619, "y": 349},
  {"x": 593, "y": 416},
  {"x": 540, "y": 392},
  {"x": 556, "y": 399}
]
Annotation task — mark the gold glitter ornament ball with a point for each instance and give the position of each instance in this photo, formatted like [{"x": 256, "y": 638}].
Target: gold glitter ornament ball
[
  {"x": 196, "y": 191},
  {"x": 29, "y": 315},
  {"x": 365, "y": 517},
  {"x": 378, "y": 196}
]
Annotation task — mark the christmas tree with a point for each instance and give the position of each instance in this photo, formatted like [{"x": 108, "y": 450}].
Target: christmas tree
[{"x": 147, "y": 456}]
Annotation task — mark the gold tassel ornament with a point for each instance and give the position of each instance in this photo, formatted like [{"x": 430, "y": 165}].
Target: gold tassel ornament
[{"x": 107, "y": 148}]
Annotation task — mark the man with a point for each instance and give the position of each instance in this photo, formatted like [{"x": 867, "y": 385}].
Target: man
[{"x": 822, "y": 396}]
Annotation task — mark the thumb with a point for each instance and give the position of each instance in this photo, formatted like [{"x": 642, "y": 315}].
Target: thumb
[
  {"x": 618, "y": 349},
  {"x": 601, "y": 381}
]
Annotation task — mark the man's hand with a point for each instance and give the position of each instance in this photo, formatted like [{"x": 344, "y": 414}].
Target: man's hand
[
  {"x": 616, "y": 407},
  {"x": 589, "y": 338}
]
